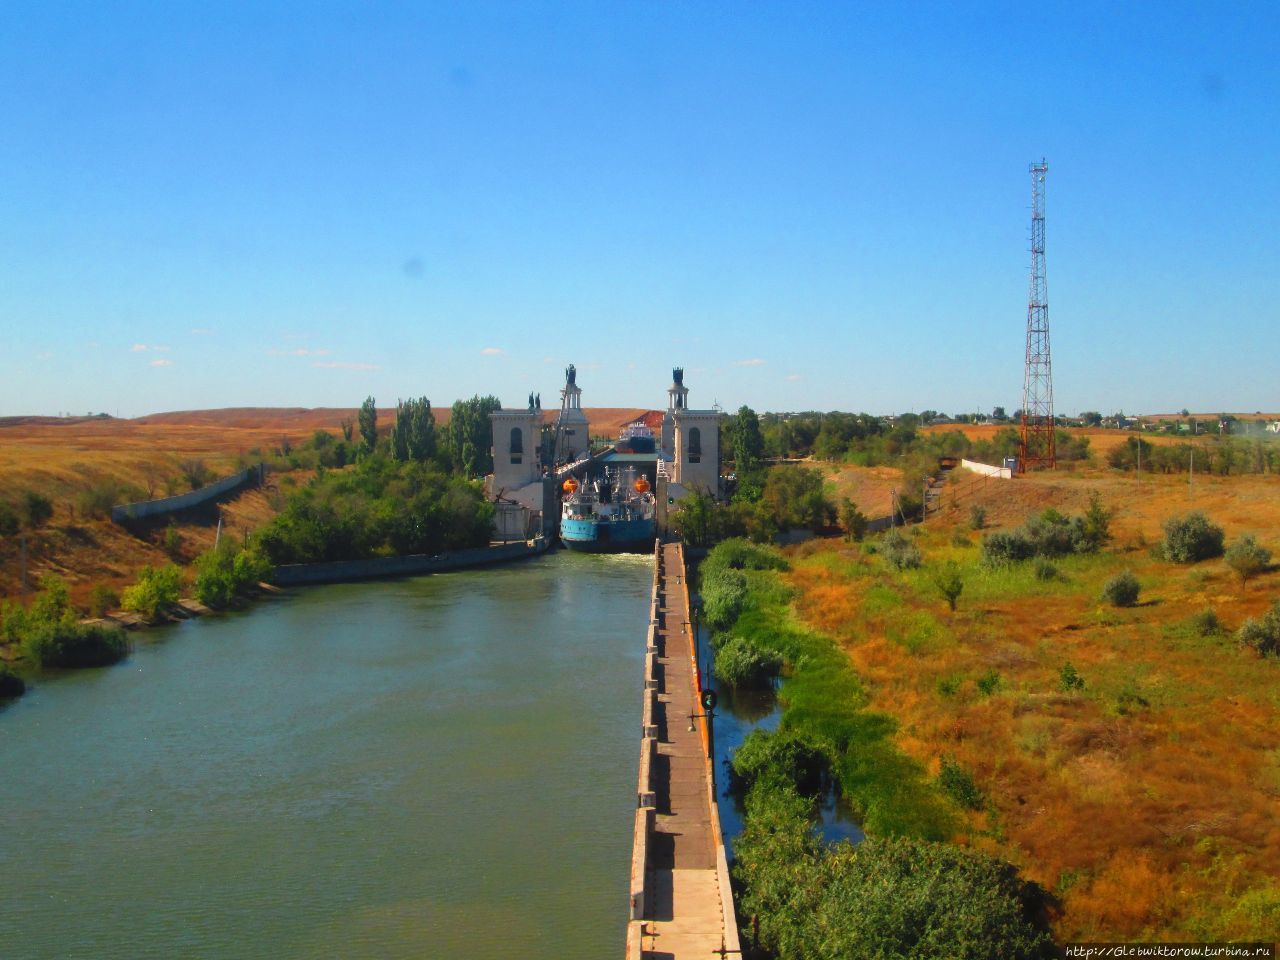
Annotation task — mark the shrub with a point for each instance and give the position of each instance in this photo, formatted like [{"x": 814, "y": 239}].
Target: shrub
[
  {"x": 155, "y": 590},
  {"x": 781, "y": 757},
  {"x": 723, "y": 593},
  {"x": 101, "y": 599},
  {"x": 977, "y": 517},
  {"x": 957, "y": 783},
  {"x": 988, "y": 683},
  {"x": 97, "y": 501},
  {"x": 11, "y": 685},
  {"x": 960, "y": 539},
  {"x": 172, "y": 542},
  {"x": 741, "y": 663},
  {"x": 1247, "y": 558},
  {"x": 69, "y": 644},
  {"x": 1263, "y": 634},
  {"x": 885, "y": 897},
  {"x": 1006, "y": 546},
  {"x": 739, "y": 554},
  {"x": 223, "y": 573},
  {"x": 1206, "y": 623},
  {"x": 899, "y": 552},
  {"x": 37, "y": 509},
  {"x": 1096, "y": 523},
  {"x": 1069, "y": 679},
  {"x": 950, "y": 583},
  {"x": 854, "y": 520},
  {"x": 1191, "y": 538},
  {"x": 9, "y": 521},
  {"x": 1046, "y": 571},
  {"x": 1122, "y": 590}
]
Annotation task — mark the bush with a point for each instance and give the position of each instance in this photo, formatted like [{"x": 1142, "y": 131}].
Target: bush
[
  {"x": 223, "y": 573},
  {"x": 957, "y": 783},
  {"x": 155, "y": 590},
  {"x": 69, "y": 644},
  {"x": 781, "y": 757},
  {"x": 101, "y": 599},
  {"x": 899, "y": 552},
  {"x": 1206, "y": 623},
  {"x": 1247, "y": 558},
  {"x": 172, "y": 541},
  {"x": 1069, "y": 679},
  {"x": 1003, "y": 547},
  {"x": 1046, "y": 571},
  {"x": 723, "y": 593},
  {"x": 1263, "y": 635},
  {"x": 1122, "y": 590},
  {"x": 977, "y": 517},
  {"x": 885, "y": 897},
  {"x": 9, "y": 521},
  {"x": 741, "y": 663},
  {"x": 11, "y": 685},
  {"x": 988, "y": 683},
  {"x": 739, "y": 554},
  {"x": 950, "y": 583},
  {"x": 1191, "y": 538}
]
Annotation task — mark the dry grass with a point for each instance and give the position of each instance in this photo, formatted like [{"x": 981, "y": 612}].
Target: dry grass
[
  {"x": 64, "y": 457},
  {"x": 1148, "y": 800}
]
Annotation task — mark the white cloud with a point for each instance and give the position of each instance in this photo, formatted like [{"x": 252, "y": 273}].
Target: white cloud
[
  {"x": 44, "y": 355},
  {"x": 138, "y": 348},
  {"x": 343, "y": 365},
  {"x": 160, "y": 349},
  {"x": 753, "y": 362},
  {"x": 300, "y": 352},
  {"x": 492, "y": 352},
  {"x": 162, "y": 363},
  {"x": 794, "y": 377},
  {"x": 200, "y": 331}
]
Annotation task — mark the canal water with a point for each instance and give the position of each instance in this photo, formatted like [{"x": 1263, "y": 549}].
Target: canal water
[
  {"x": 434, "y": 767},
  {"x": 738, "y": 712}
]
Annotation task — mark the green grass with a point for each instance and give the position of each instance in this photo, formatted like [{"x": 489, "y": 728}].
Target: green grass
[{"x": 823, "y": 697}]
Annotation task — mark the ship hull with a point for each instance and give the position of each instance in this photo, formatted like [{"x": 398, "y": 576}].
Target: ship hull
[{"x": 595, "y": 536}]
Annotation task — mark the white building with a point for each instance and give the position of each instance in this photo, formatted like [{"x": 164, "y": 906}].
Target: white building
[{"x": 690, "y": 441}]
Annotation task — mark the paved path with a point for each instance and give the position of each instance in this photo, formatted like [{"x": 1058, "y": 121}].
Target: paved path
[{"x": 685, "y": 916}]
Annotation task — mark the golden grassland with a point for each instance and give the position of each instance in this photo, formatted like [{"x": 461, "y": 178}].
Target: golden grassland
[
  {"x": 1149, "y": 800},
  {"x": 62, "y": 457}
]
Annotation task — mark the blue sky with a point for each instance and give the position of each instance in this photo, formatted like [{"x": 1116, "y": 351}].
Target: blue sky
[{"x": 816, "y": 206}]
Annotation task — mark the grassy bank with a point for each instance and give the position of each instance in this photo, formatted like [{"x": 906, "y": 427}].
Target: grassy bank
[{"x": 1123, "y": 757}]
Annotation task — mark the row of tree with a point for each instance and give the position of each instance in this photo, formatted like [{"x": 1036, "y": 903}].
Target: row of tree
[{"x": 463, "y": 446}]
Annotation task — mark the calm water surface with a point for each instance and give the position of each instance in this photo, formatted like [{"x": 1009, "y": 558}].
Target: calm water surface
[{"x": 436, "y": 767}]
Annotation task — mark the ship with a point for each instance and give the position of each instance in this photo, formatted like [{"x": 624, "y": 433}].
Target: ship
[{"x": 615, "y": 512}]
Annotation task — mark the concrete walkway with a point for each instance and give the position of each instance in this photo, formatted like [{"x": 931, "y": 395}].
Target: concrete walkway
[{"x": 685, "y": 915}]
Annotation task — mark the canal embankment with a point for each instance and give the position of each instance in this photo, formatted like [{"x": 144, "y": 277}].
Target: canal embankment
[{"x": 681, "y": 903}]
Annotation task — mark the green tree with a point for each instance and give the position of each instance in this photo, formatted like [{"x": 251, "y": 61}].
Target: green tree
[
  {"x": 794, "y": 497},
  {"x": 156, "y": 589},
  {"x": 368, "y": 418},
  {"x": 746, "y": 440},
  {"x": 855, "y": 522},
  {"x": 414, "y": 435},
  {"x": 469, "y": 437},
  {"x": 950, "y": 583},
  {"x": 694, "y": 518},
  {"x": 1247, "y": 558}
]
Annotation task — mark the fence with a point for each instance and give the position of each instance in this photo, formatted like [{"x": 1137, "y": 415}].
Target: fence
[{"x": 185, "y": 501}]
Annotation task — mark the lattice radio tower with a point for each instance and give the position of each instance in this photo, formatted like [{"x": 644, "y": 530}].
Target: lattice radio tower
[{"x": 1037, "y": 442}]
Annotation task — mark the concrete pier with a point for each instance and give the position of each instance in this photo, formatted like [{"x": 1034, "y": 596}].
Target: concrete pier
[{"x": 681, "y": 903}]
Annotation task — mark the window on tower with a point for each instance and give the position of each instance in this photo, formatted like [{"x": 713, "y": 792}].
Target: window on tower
[
  {"x": 695, "y": 445},
  {"x": 517, "y": 445}
]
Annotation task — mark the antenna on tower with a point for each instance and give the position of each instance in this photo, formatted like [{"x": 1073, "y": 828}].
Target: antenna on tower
[{"x": 1036, "y": 446}]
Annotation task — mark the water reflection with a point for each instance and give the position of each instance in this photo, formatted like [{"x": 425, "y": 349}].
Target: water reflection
[{"x": 737, "y": 714}]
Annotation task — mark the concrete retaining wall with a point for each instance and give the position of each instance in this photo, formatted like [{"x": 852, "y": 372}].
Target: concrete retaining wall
[
  {"x": 345, "y": 570},
  {"x": 1004, "y": 473},
  {"x": 185, "y": 501}
]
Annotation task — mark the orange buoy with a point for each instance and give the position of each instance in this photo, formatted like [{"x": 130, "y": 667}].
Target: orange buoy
[
  {"x": 570, "y": 485},
  {"x": 642, "y": 485}
]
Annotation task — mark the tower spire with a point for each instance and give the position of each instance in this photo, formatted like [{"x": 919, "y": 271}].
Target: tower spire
[{"x": 1036, "y": 446}]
